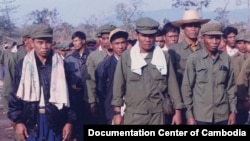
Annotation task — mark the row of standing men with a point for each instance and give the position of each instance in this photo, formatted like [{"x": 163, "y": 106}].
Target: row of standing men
[{"x": 91, "y": 87}]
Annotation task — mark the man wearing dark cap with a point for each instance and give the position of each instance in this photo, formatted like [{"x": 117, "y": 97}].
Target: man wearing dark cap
[
  {"x": 76, "y": 66},
  {"x": 11, "y": 62},
  {"x": 39, "y": 103},
  {"x": 208, "y": 86},
  {"x": 94, "y": 59},
  {"x": 90, "y": 43},
  {"x": 142, "y": 77},
  {"x": 105, "y": 75}
]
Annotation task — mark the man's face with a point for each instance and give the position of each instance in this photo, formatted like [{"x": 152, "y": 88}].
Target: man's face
[
  {"x": 119, "y": 45},
  {"x": 230, "y": 40},
  {"x": 211, "y": 42},
  {"x": 241, "y": 46},
  {"x": 78, "y": 43},
  {"x": 171, "y": 38},
  {"x": 90, "y": 46},
  {"x": 159, "y": 40},
  {"x": 146, "y": 42},
  {"x": 191, "y": 30},
  {"x": 42, "y": 46},
  {"x": 104, "y": 41}
]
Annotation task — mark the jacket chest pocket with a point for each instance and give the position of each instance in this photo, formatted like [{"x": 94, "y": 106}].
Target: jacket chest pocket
[
  {"x": 202, "y": 75},
  {"x": 221, "y": 77}
]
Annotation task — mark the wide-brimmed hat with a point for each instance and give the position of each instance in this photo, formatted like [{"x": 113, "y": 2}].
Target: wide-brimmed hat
[{"x": 190, "y": 16}]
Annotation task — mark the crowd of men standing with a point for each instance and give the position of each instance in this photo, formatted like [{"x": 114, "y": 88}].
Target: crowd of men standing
[{"x": 51, "y": 90}]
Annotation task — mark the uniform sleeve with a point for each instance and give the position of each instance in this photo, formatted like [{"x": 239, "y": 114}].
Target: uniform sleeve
[
  {"x": 173, "y": 87},
  {"x": 231, "y": 89},
  {"x": 242, "y": 81},
  {"x": 119, "y": 86},
  {"x": 15, "y": 106},
  {"x": 187, "y": 86},
  {"x": 8, "y": 78},
  {"x": 90, "y": 82}
]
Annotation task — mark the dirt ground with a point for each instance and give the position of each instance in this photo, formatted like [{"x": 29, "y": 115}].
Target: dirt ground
[{"x": 6, "y": 131}]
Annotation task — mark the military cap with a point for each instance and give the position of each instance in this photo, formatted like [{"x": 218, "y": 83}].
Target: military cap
[
  {"x": 146, "y": 25},
  {"x": 90, "y": 39},
  {"x": 240, "y": 36},
  {"x": 117, "y": 33},
  {"x": 65, "y": 46},
  {"x": 106, "y": 28},
  {"x": 41, "y": 31},
  {"x": 211, "y": 29}
]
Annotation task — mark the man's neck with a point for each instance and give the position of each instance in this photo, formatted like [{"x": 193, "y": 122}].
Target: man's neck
[
  {"x": 81, "y": 51},
  {"x": 192, "y": 41}
]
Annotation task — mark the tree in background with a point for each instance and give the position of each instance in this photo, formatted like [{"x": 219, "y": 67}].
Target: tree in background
[
  {"x": 7, "y": 25},
  {"x": 63, "y": 32},
  {"x": 189, "y": 4},
  {"x": 222, "y": 16},
  {"x": 45, "y": 16},
  {"x": 127, "y": 14}
]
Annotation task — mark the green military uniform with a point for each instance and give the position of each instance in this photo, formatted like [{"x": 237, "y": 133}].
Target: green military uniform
[
  {"x": 180, "y": 53},
  {"x": 243, "y": 81},
  {"x": 238, "y": 60},
  {"x": 10, "y": 63},
  {"x": 237, "y": 64},
  {"x": 208, "y": 86},
  {"x": 142, "y": 93},
  {"x": 93, "y": 60}
]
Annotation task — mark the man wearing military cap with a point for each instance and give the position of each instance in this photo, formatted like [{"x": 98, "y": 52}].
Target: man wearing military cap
[
  {"x": 62, "y": 49},
  {"x": 90, "y": 43},
  {"x": 208, "y": 86},
  {"x": 94, "y": 59},
  {"x": 142, "y": 77},
  {"x": 243, "y": 80},
  {"x": 11, "y": 62},
  {"x": 39, "y": 103}
]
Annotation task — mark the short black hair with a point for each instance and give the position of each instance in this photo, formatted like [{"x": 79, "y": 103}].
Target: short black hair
[
  {"x": 169, "y": 27},
  {"x": 79, "y": 34},
  {"x": 159, "y": 33},
  {"x": 228, "y": 30}
]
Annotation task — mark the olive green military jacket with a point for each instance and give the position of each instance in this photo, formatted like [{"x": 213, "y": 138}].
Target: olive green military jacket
[
  {"x": 139, "y": 92},
  {"x": 237, "y": 64},
  {"x": 11, "y": 62},
  {"x": 179, "y": 53},
  {"x": 208, "y": 87},
  {"x": 92, "y": 61},
  {"x": 243, "y": 81}
]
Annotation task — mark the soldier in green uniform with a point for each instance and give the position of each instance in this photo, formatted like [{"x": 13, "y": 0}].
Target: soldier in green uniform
[
  {"x": 208, "y": 86},
  {"x": 10, "y": 64},
  {"x": 94, "y": 59},
  {"x": 190, "y": 24},
  {"x": 241, "y": 67},
  {"x": 143, "y": 74}
]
